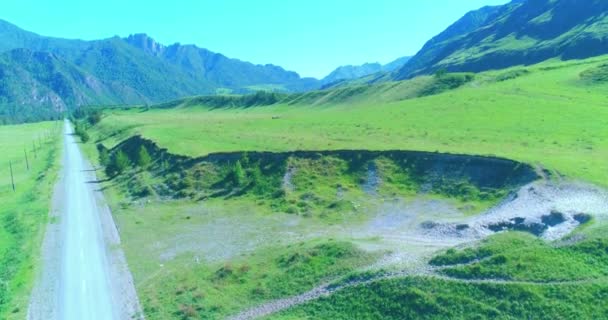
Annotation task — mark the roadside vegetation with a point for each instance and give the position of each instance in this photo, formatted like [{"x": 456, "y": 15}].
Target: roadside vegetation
[{"x": 24, "y": 211}]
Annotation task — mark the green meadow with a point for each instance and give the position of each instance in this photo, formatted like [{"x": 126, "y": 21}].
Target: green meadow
[
  {"x": 24, "y": 212},
  {"x": 548, "y": 114},
  {"x": 552, "y": 115}
]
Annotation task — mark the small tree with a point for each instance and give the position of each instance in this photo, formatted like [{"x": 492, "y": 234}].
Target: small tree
[
  {"x": 94, "y": 117},
  {"x": 121, "y": 162},
  {"x": 104, "y": 157},
  {"x": 143, "y": 157},
  {"x": 441, "y": 72},
  {"x": 84, "y": 136},
  {"x": 239, "y": 174}
]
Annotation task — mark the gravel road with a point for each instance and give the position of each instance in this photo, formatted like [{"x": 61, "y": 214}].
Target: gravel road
[{"x": 84, "y": 274}]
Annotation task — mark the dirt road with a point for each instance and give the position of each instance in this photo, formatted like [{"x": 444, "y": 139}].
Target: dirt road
[{"x": 84, "y": 273}]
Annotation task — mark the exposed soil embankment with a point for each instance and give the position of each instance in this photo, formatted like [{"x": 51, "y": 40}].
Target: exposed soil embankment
[{"x": 221, "y": 174}]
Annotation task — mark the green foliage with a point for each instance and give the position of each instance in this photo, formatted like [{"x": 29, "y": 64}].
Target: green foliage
[
  {"x": 24, "y": 212},
  {"x": 268, "y": 274},
  {"x": 143, "y": 157},
  {"x": 238, "y": 174},
  {"x": 104, "y": 156},
  {"x": 80, "y": 131},
  {"x": 441, "y": 73},
  {"x": 84, "y": 136},
  {"x": 468, "y": 255},
  {"x": 119, "y": 163},
  {"x": 422, "y": 298},
  {"x": 94, "y": 117},
  {"x": 597, "y": 74},
  {"x": 512, "y": 74},
  {"x": 447, "y": 81},
  {"x": 521, "y": 256}
]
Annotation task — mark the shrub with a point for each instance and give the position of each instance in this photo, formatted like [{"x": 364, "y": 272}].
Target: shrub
[
  {"x": 447, "y": 81},
  {"x": 104, "y": 156},
  {"x": 94, "y": 117},
  {"x": 120, "y": 162},
  {"x": 143, "y": 157},
  {"x": 80, "y": 131},
  {"x": 238, "y": 174},
  {"x": 84, "y": 137}
]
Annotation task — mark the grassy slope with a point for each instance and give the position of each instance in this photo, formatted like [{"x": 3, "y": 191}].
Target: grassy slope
[
  {"x": 203, "y": 291},
  {"x": 210, "y": 259},
  {"x": 23, "y": 214},
  {"x": 507, "y": 256},
  {"x": 548, "y": 116},
  {"x": 423, "y": 298}
]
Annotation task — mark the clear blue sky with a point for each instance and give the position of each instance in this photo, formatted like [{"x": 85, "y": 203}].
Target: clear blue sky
[{"x": 311, "y": 37}]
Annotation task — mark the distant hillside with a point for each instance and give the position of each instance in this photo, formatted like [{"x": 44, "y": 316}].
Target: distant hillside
[
  {"x": 37, "y": 85},
  {"x": 135, "y": 70},
  {"x": 353, "y": 72},
  {"x": 520, "y": 32}
]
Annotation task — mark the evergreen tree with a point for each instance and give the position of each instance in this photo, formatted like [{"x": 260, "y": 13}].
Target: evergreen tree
[
  {"x": 239, "y": 174},
  {"x": 121, "y": 162},
  {"x": 143, "y": 157},
  {"x": 104, "y": 157}
]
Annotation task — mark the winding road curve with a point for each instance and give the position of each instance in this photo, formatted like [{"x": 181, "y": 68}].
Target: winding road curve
[{"x": 85, "y": 275}]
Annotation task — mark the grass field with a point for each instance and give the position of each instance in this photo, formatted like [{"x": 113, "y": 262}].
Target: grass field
[
  {"x": 424, "y": 298},
  {"x": 547, "y": 115},
  {"x": 23, "y": 213},
  {"x": 553, "y": 115},
  {"x": 564, "y": 282}
]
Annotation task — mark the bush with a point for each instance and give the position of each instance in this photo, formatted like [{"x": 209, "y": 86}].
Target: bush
[
  {"x": 94, "y": 117},
  {"x": 80, "y": 131},
  {"x": 84, "y": 137},
  {"x": 238, "y": 174},
  {"x": 104, "y": 156},
  {"x": 143, "y": 157},
  {"x": 447, "y": 81},
  {"x": 120, "y": 162}
]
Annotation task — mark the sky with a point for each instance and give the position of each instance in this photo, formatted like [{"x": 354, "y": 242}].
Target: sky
[{"x": 311, "y": 37}]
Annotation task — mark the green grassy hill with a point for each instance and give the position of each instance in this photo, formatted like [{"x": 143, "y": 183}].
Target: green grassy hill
[
  {"x": 552, "y": 114},
  {"x": 135, "y": 70},
  {"x": 283, "y": 218},
  {"x": 520, "y": 32}
]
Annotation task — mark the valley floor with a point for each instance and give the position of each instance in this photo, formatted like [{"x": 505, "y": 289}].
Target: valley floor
[{"x": 214, "y": 232}]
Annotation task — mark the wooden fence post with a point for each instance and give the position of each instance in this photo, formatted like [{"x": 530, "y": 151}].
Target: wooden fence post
[
  {"x": 10, "y": 165},
  {"x": 27, "y": 162}
]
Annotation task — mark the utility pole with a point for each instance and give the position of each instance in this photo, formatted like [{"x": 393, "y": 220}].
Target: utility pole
[
  {"x": 27, "y": 163},
  {"x": 34, "y": 145},
  {"x": 10, "y": 165}
]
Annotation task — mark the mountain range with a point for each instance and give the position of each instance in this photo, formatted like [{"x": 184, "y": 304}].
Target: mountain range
[
  {"x": 521, "y": 32},
  {"x": 40, "y": 76},
  {"x": 351, "y": 72}
]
